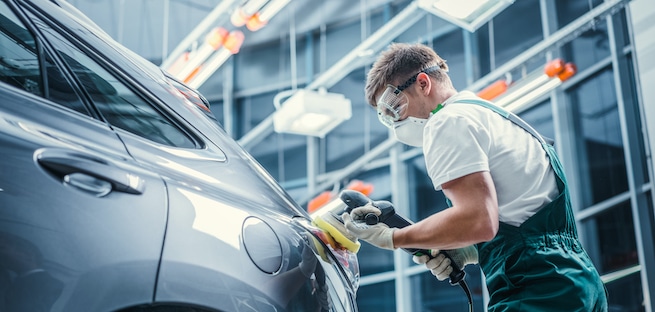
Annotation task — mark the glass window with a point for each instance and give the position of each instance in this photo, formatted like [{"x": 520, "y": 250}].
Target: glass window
[
  {"x": 615, "y": 241},
  {"x": 589, "y": 48},
  {"x": 626, "y": 294},
  {"x": 59, "y": 89},
  {"x": 430, "y": 294},
  {"x": 374, "y": 260},
  {"x": 568, "y": 11},
  {"x": 450, "y": 47},
  {"x": 516, "y": 29},
  {"x": 427, "y": 200},
  {"x": 19, "y": 61},
  {"x": 513, "y": 31},
  {"x": 118, "y": 103},
  {"x": 378, "y": 297},
  {"x": 612, "y": 245},
  {"x": 596, "y": 105},
  {"x": 22, "y": 64},
  {"x": 592, "y": 45},
  {"x": 540, "y": 117}
]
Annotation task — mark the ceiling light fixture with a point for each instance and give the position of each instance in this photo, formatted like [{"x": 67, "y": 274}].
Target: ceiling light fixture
[
  {"x": 468, "y": 14},
  {"x": 255, "y": 14},
  {"x": 230, "y": 46},
  {"x": 311, "y": 113},
  {"x": 516, "y": 96}
]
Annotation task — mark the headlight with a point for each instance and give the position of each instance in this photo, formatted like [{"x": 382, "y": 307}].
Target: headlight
[
  {"x": 349, "y": 260},
  {"x": 328, "y": 249}
]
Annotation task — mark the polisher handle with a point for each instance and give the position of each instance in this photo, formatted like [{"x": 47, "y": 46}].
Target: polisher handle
[{"x": 354, "y": 199}]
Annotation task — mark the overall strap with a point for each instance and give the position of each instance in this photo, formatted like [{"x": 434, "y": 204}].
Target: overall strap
[
  {"x": 546, "y": 144},
  {"x": 508, "y": 115}
]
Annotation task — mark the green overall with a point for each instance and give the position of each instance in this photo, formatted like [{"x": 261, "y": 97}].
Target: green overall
[{"x": 540, "y": 265}]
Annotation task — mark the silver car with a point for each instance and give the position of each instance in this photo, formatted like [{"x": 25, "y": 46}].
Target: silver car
[{"x": 119, "y": 191}]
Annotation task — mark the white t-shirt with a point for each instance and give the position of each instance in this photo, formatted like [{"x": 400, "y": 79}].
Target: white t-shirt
[{"x": 461, "y": 139}]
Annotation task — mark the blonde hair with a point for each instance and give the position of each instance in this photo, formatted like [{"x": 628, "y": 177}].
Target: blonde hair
[{"x": 400, "y": 62}]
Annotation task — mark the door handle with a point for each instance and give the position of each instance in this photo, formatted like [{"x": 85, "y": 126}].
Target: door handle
[{"x": 89, "y": 173}]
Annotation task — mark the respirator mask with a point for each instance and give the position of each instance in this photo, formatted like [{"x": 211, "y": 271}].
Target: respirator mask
[
  {"x": 392, "y": 106},
  {"x": 410, "y": 131}
]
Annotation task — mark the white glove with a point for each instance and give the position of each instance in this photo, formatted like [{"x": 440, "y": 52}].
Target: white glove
[
  {"x": 440, "y": 266},
  {"x": 379, "y": 235}
]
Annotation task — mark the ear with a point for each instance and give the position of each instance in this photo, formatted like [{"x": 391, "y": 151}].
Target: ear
[{"x": 424, "y": 82}]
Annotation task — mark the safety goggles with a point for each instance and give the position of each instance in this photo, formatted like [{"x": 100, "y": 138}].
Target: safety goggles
[{"x": 393, "y": 103}]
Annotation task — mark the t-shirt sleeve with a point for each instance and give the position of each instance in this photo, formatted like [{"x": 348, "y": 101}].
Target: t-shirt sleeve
[{"x": 454, "y": 145}]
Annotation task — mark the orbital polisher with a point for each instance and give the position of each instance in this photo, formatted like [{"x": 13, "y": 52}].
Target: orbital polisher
[{"x": 328, "y": 218}]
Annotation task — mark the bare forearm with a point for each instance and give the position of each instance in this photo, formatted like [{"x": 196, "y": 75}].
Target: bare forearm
[
  {"x": 447, "y": 229},
  {"x": 472, "y": 219}
]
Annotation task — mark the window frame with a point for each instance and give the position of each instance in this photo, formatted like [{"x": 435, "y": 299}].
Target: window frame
[{"x": 99, "y": 58}]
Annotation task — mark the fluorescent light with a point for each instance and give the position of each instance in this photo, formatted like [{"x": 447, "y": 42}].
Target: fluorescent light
[
  {"x": 252, "y": 6},
  {"x": 213, "y": 41},
  {"x": 230, "y": 45},
  {"x": 459, "y": 9},
  {"x": 256, "y": 13},
  {"x": 535, "y": 85},
  {"x": 468, "y": 14},
  {"x": 521, "y": 88},
  {"x": 535, "y": 94},
  {"x": 311, "y": 113},
  {"x": 311, "y": 122},
  {"x": 272, "y": 8},
  {"x": 207, "y": 69}
]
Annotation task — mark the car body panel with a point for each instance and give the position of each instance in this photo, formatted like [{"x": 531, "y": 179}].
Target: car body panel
[
  {"x": 79, "y": 239},
  {"x": 207, "y": 250},
  {"x": 125, "y": 223}
]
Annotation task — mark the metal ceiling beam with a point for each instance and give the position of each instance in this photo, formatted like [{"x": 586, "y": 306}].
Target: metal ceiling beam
[
  {"x": 221, "y": 10},
  {"x": 355, "y": 166},
  {"x": 564, "y": 35},
  {"x": 356, "y": 58},
  {"x": 557, "y": 39}
]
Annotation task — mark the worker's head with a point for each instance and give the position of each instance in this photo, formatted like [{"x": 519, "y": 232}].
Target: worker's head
[{"x": 407, "y": 80}]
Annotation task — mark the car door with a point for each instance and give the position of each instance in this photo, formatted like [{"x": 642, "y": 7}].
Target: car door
[{"x": 81, "y": 224}]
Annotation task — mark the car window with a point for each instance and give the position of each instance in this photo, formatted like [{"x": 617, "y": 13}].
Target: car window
[
  {"x": 119, "y": 104},
  {"x": 23, "y": 63}
]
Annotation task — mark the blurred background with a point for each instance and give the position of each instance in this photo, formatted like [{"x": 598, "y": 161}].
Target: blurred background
[{"x": 313, "y": 56}]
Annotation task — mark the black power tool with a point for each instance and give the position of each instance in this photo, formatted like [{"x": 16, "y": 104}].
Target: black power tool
[{"x": 354, "y": 199}]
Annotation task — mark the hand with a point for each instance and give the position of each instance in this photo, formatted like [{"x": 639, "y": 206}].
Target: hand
[
  {"x": 359, "y": 214},
  {"x": 379, "y": 235},
  {"x": 439, "y": 264}
]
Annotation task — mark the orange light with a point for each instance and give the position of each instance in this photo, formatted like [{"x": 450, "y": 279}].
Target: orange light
[
  {"x": 360, "y": 186},
  {"x": 216, "y": 37},
  {"x": 554, "y": 67},
  {"x": 179, "y": 63},
  {"x": 569, "y": 70},
  {"x": 238, "y": 18},
  {"x": 319, "y": 201},
  {"x": 192, "y": 74},
  {"x": 233, "y": 41},
  {"x": 493, "y": 90},
  {"x": 255, "y": 23}
]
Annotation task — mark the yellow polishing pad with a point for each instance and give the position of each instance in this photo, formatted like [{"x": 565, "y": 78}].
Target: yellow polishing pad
[
  {"x": 318, "y": 246},
  {"x": 339, "y": 235}
]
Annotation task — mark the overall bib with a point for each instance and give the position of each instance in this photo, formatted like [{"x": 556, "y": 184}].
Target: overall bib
[{"x": 540, "y": 265}]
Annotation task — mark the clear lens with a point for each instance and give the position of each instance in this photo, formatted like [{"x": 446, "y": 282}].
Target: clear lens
[
  {"x": 391, "y": 105},
  {"x": 347, "y": 259},
  {"x": 350, "y": 262}
]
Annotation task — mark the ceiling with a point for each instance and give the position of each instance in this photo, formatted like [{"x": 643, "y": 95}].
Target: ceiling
[{"x": 308, "y": 15}]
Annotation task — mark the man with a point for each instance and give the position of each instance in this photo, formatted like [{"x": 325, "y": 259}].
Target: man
[{"x": 510, "y": 208}]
